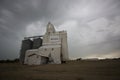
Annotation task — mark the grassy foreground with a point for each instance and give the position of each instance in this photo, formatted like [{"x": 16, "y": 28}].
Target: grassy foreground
[{"x": 72, "y": 70}]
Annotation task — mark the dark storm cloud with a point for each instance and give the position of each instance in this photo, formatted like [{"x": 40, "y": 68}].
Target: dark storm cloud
[
  {"x": 90, "y": 22},
  {"x": 15, "y": 16}
]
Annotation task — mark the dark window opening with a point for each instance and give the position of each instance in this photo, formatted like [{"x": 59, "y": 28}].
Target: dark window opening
[
  {"x": 52, "y": 49},
  {"x": 45, "y": 49}
]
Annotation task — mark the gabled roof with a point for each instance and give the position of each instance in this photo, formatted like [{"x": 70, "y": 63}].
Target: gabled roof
[{"x": 50, "y": 28}]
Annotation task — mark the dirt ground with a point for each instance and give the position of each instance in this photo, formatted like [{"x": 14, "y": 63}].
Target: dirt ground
[{"x": 72, "y": 70}]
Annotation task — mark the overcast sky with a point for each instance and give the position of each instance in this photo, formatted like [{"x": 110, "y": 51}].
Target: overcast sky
[{"x": 93, "y": 26}]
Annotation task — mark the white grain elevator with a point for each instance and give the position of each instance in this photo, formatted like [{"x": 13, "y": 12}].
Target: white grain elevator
[{"x": 50, "y": 48}]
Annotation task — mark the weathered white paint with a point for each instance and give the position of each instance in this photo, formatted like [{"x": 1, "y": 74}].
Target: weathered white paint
[
  {"x": 32, "y": 57},
  {"x": 54, "y": 48}
]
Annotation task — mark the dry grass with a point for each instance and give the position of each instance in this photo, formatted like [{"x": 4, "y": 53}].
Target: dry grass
[{"x": 72, "y": 70}]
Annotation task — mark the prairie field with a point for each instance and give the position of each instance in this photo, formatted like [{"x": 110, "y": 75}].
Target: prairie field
[{"x": 71, "y": 70}]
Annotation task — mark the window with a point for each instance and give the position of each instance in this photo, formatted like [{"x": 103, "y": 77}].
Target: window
[
  {"x": 45, "y": 49},
  {"x": 52, "y": 49}
]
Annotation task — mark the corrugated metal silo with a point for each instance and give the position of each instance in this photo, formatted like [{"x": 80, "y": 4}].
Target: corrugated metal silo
[
  {"x": 26, "y": 45},
  {"x": 37, "y": 42}
]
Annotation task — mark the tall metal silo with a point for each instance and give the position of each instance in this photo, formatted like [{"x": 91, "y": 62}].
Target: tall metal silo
[
  {"x": 26, "y": 45},
  {"x": 37, "y": 42}
]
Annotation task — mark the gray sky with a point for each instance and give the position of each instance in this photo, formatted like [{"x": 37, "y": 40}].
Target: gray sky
[{"x": 93, "y": 26}]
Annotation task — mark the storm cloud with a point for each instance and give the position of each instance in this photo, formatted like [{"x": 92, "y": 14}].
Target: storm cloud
[{"x": 93, "y": 26}]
